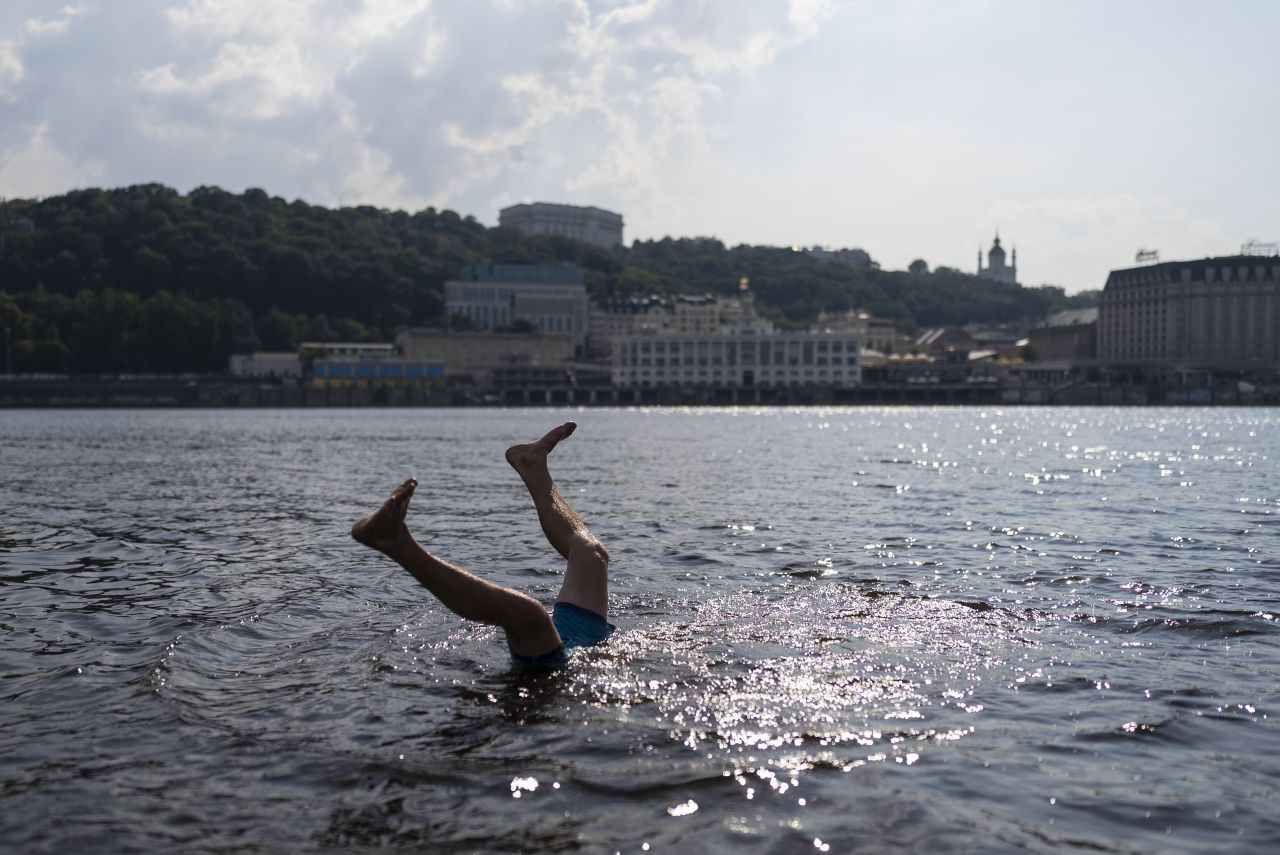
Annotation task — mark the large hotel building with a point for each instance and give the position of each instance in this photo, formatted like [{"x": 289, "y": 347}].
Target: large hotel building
[{"x": 1216, "y": 313}]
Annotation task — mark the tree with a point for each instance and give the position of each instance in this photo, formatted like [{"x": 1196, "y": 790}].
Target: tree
[
  {"x": 278, "y": 331},
  {"x": 304, "y": 272},
  {"x": 462, "y": 323},
  {"x": 519, "y": 325}
]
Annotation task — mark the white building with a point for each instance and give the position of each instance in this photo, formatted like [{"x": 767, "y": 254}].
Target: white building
[
  {"x": 588, "y": 224},
  {"x": 741, "y": 351},
  {"x": 698, "y": 314},
  {"x": 738, "y": 360},
  {"x": 551, "y": 297}
]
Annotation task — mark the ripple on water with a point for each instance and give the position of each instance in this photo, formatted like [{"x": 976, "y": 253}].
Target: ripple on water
[{"x": 1039, "y": 629}]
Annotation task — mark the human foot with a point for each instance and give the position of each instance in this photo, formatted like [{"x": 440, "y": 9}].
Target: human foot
[
  {"x": 530, "y": 454},
  {"x": 384, "y": 529}
]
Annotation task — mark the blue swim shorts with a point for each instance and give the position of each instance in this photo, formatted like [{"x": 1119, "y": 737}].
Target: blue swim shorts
[{"x": 578, "y": 627}]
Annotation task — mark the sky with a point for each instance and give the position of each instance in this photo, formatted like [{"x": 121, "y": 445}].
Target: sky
[{"x": 1080, "y": 130}]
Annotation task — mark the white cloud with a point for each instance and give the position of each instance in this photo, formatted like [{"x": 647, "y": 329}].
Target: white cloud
[
  {"x": 1075, "y": 241},
  {"x": 396, "y": 101},
  {"x": 910, "y": 128},
  {"x": 40, "y": 169},
  {"x": 12, "y": 70}
]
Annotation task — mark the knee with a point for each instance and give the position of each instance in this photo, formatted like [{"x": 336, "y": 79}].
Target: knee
[
  {"x": 592, "y": 551},
  {"x": 525, "y": 615}
]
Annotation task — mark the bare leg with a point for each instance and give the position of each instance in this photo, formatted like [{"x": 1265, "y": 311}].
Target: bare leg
[
  {"x": 529, "y": 629},
  {"x": 586, "y": 581}
]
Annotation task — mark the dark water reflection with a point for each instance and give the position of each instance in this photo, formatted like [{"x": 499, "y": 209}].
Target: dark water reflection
[{"x": 840, "y": 630}]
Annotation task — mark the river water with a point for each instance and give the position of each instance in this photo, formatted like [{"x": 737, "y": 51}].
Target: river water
[{"x": 840, "y": 630}]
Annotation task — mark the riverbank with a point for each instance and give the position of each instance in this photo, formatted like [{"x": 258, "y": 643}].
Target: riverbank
[{"x": 219, "y": 393}]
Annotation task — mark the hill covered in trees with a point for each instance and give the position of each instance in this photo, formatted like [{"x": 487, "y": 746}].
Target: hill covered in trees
[{"x": 145, "y": 279}]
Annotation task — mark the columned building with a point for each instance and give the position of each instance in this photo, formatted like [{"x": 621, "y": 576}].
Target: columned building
[
  {"x": 996, "y": 269},
  {"x": 587, "y": 224},
  {"x": 738, "y": 361},
  {"x": 550, "y": 296},
  {"x": 1215, "y": 313}
]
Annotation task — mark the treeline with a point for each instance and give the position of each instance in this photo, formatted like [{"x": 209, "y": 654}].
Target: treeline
[{"x": 147, "y": 279}]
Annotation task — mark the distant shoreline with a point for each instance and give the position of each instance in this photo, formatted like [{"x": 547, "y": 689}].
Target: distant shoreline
[{"x": 221, "y": 394}]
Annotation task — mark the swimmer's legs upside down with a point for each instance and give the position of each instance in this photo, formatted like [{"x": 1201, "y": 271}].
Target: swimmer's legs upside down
[
  {"x": 529, "y": 629},
  {"x": 586, "y": 580}
]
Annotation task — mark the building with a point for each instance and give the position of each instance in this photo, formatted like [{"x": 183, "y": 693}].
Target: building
[
  {"x": 684, "y": 313},
  {"x": 338, "y": 372},
  {"x": 484, "y": 358},
  {"x": 550, "y": 296},
  {"x": 614, "y": 316},
  {"x": 1070, "y": 336},
  {"x": 878, "y": 334},
  {"x": 740, "y": 351},
  {"x": 342, "y": 364},
  {"x": 352, "y": 350},
  {"x": 590, "y": 225},
  {"x": 266, "y": 365},
  {"x": 729, "y": 360},
  {"x": 1215, "y": 313},
  {"x": 696, "y": 313},
  {"x": 996, "y": 270},
  {"x": 939, "y": 341}
]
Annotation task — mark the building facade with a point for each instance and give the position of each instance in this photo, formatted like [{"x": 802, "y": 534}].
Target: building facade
[
  {"x": 1070, "y": 336},
  {"x": 587, "y": 224},
  {"x": 996, "y": 269},
  {"x": 878, "y": 334},
  {"x": 266, "y": 365},
  {"x": 343, "y": 364},
  {"x": 611, "y": 317},
  {"x": 551, "y": 297},
  {"x": 731, "y": 360},
  {"x": 1212, "y": 313},
  {"x": 479, "y": 358}
]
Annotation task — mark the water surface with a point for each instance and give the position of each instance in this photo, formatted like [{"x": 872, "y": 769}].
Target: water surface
[{"x": 840, "y": 629}]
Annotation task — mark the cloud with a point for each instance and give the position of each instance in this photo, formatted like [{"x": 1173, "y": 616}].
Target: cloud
[
  {"x": 391, "y": 102},
  {"x": 1052, "y": 231},
  {"x": 30, "y": 31},
  {"x": 31, "y": 169}
]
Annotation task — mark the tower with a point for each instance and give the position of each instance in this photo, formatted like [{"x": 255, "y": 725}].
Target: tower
[{"x": 996, "y": 269}]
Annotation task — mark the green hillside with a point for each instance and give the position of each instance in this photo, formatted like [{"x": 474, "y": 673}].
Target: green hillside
[{"x": 145, "y": 279}]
